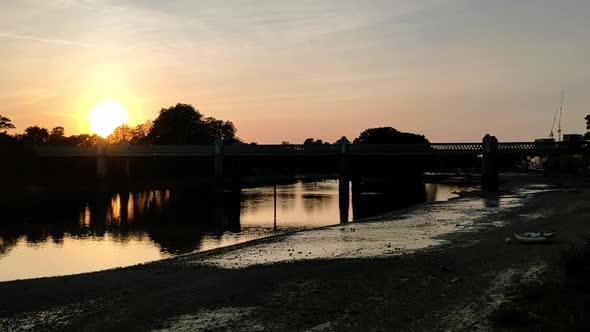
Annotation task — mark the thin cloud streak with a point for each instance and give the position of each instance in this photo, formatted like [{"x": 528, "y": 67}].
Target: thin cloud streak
[
  {"x": 45, "y": 40},
  {"x": 417, "y": 65},
  {"x": 62, "y": 115}
]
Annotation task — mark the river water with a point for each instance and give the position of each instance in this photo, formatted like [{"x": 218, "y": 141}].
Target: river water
[{"x": 62, "y": 234}]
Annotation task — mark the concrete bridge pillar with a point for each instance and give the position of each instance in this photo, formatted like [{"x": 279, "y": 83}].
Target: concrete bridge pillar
[
  {"x": 344, "y": 179},
  {"x": 102, "y": 168},
  {"x": 490, "y": 171}
]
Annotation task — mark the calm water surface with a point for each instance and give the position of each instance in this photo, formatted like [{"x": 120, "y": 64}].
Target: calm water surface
[{"x": 67, "y": 233}]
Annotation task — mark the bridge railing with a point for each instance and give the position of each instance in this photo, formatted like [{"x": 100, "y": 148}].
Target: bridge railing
[
  {"x": 409, "y": 149},
  {"x": 458, "y": 147},
  {"x": 376, "y": 149},
  {"x": 156, "y": 150},
  {"x": 306, "y": 150},
  {"x": 530, "y": 147},
  {"x": 66, "y": 151}
]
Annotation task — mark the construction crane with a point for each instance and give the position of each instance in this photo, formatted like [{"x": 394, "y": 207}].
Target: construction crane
[{"x": 559, "y": 111}]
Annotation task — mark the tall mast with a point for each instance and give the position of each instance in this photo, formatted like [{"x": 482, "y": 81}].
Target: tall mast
[
  {"x": 560, "y": 111},
  {"x": 553, "y": 124}
]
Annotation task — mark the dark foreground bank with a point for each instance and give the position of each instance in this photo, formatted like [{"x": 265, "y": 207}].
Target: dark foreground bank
[{"x": 455, "y": 286}]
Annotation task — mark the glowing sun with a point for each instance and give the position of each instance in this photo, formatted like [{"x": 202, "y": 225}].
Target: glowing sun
[{"x": 107, "y": 116}]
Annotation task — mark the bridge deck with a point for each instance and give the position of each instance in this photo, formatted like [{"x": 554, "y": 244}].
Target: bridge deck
[{"x": 514, "y": 148}]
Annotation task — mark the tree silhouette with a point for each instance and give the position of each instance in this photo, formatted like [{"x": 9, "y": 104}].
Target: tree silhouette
[
  {"x": 388, "y": 135},
  {"x": 587, "y": 135},
  {"x": 178, "y": 125},
  {"x": 140, "y": 133},
  {"x": 5, "y": 124},
  {"x": 312, "y": 141},
  {"x": 82, "y": 140},
  {"x": 123, "y": 133},
  {"x": 183, "y": 124},
  {"x": 36, "y": 135},
  {"x": 220, "y": 130},
  {"x": 57, "y": 136},
  {"x": 135, "y": 135}
]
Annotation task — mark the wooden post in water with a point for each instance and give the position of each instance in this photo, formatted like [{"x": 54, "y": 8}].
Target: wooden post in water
[
  {"x": 490, "y": 172},
  {"x": 344, "y": 179}
]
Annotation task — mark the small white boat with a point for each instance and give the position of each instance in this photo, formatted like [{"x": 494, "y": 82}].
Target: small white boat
[{"x": 535, "y": 237}]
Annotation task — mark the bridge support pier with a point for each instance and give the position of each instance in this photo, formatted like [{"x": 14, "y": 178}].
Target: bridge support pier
[
  {"x": 344, "y": 180},
  {"x": 102, "y": 168},
  {"x": 490, "y": 170}
]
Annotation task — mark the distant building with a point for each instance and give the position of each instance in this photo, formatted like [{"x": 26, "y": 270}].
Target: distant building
[{"x": 573, "y": 138}]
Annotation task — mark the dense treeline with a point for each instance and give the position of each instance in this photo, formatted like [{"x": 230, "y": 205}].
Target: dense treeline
[
  {"x": 176, "y": 125},
  {"x": 381, "y": 135}
]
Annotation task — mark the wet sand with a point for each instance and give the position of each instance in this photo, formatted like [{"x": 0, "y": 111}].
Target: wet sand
[{"x": 355, "y": 277}]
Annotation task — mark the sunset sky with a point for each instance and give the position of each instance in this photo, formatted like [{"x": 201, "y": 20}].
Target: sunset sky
[{"x": 286, "y": 70}]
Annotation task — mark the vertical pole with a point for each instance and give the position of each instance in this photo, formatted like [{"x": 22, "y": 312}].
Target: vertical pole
[
  {"x": 344, "y": 179},
  {"x": 357, "y": 212},
  {"x": 275, "y": 208},
  {"x": 490, "y": 172}
]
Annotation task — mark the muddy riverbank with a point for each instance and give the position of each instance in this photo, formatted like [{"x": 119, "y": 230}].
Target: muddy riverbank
[{"x": 359, "y": 282}]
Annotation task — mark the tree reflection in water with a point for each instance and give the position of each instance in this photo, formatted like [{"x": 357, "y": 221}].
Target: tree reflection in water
[{"x": 156, "y": 215}]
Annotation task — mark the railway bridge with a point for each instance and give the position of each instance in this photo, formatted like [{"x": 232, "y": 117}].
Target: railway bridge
[{"x": 344, "y": 153}]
